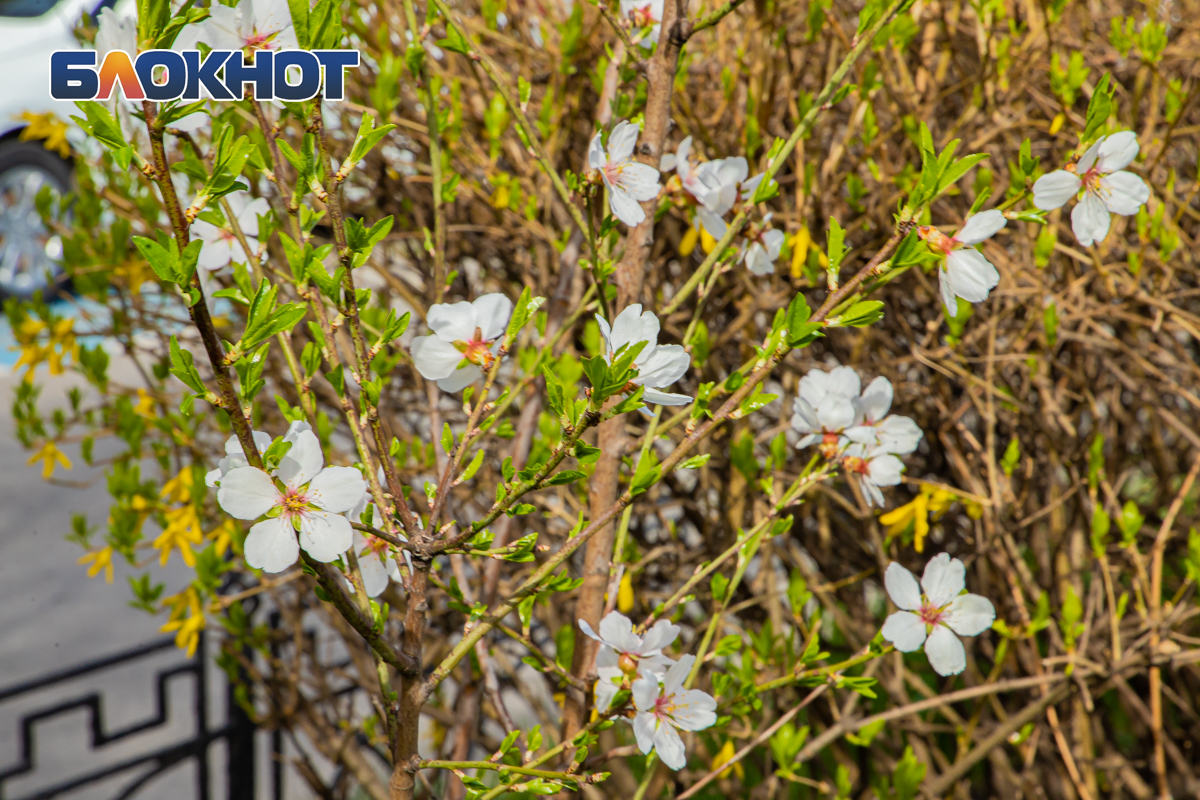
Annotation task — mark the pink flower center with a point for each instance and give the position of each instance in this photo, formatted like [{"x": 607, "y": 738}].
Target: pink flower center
[
  {"x": 930, "y": 614},
  {"x": 664, "y": 706},
  {"x": 477, "y": 350},
  {"x": 642, "y": 17},
  {"x": 293, "y": 504},
  {"x": 259, "y": 41},
  {"x": 612, "y": 173}
]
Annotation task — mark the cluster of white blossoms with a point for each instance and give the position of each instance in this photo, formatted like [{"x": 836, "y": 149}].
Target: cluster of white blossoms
[
  {"x": 465, "y": 340},
  {"x": 714, "y": 188},
  {"x": 1107, "y": 187},
  {"x": 854, "y": 426},
  {"x": 629, "y": 182},
  {"x": 662, "y": 704},
  {"x": 935, "y": 613},
  {"x": 658, "y": 365},
  {"x": 219, "y": 244},
  {"x": 303, "y": 501}
]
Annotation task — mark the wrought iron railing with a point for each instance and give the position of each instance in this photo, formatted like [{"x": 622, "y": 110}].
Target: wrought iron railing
[{"x": 237, "y": 731}]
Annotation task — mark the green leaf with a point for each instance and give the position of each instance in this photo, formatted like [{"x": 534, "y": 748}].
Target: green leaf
[
  {"x": 447, "y": 438},
  {"x": 454, "y": 41},
  {"x": 1012, "y": 456},
  {"x": 719, "y": 584},
  {"x": 836, "y": 247},
  {"x": 473, "y": 467},
  {"x": 695, "y": 462},
  {"x": 862, "y": 313}
]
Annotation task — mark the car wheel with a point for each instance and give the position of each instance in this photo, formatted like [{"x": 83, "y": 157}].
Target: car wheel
[{"x": 29, "y": 253}]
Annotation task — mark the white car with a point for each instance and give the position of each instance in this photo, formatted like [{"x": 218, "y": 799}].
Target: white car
[{"x": 30, "y": 30}]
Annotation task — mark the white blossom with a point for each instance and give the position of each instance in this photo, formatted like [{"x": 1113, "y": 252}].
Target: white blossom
[
  {"x": 658, "y": 365},
  {"x": 643, "y": 14},
  {"x": 311, "y": 504},
  {"x": 629, "y": 182},
  {"x": 251, "y": 25},
  {"x": 114, "y": 32},
  {"x": 664, "y": 707},
  {"x": 1107, "y": 187},
  {"x": 220, "y": 246},
  {"x": 376, "y": 563},
  {"x": 760, "y": 254},
  {"x": 933, "y": 616},
  {"x": 875, "y": 467},
  {"x": 617, "y": 634},
  {"x": 465, "y": 338},
  {"x": 964, "y": 272},
  {"x": 235, "y": 457},
  {"x": 876, "y": 428},
  {"x": 825, "y": 408}
]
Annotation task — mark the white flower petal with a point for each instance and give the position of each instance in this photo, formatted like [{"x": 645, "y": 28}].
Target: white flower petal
[
  {"x": 271, "y": 545},
  {"x": 946, "y": 288},
  {"x": 945, "y": 651},
  {"x": 662, "y": 634},
  {"x": 835, "y": 412},
  {"x": 596, "y": 156},
  {"x": 969, "y": 614},
  {"x": 694, "y": 710},
  {"x": 374, "y": 574},
  {"x": 324, "y": 535},
  {"x": 902, "y": 587},
  {"x": 645, "y": 691},
  {"x": 1089, "y": 157},
  {"x": 617, "y": 630},
  {"x": 452, "y": 321},
  {"x": 304, "y": 461},
  {"x": 589, "y": 632},
  {"x": 874, "y": 403},
  {"x": 247, "y": 493},
  {"x": 898, "y": 435},
  {"x": 460, "y": 379},
  {"x": 1055, "y": 188},
  {"x": 655, "y": 397},
  {"x": 640, "y": 181},
  {"x": 971, "y": 275},
  {"x": 1117, "y": 151},
  {"x": 666, "y": 365},
  {"x": 1124, "y": 193},
  {"x": 622, "y": 140},
  {"x": 712, "y": 223},
  {"x": 492, "y": 312},
  {"x": 631, "y": 327},
  {"x": 337, "y": 489},
  {"x": 643, "y": 730},
  {"x": 905, "y": 631},
  {"x": 434, "y": 357},
  {"x": 981, "y": 226},
  {"x": 944, "y": 579},
  {"x": 885, "y": 470},
  {"x": 1090, "y": 220},
  {"x": 670, "y": 747},
  {"x": 624, "y": 207}
]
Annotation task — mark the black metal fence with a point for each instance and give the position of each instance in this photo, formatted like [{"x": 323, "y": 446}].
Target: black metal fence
[{"x": 236, "y": 730}]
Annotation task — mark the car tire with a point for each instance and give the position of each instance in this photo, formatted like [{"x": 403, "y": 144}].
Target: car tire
[{"x": 29, "y": 255}]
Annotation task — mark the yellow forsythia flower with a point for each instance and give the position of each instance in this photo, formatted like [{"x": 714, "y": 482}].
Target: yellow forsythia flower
[
  {"x": 50, "y": 129},
  {"x": 931, "y": 500},
  {"x": 49, "y": 455},
  {"x": 222, "y": 535},
  {"x": 144, "y": 407},
  {"x": 707, "y": 242},
  {"x": 688, "y": 243},
  {"x": 182, "y": 531},
  {"x": 801, "y": 241},
  {"x": 187, "y": 619},
  {"x": 179, "y": 488},
  {"x": 723, "y": 757},
  {"x": 625, "y": 594},
  {"x": 100, "y": 560}
]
